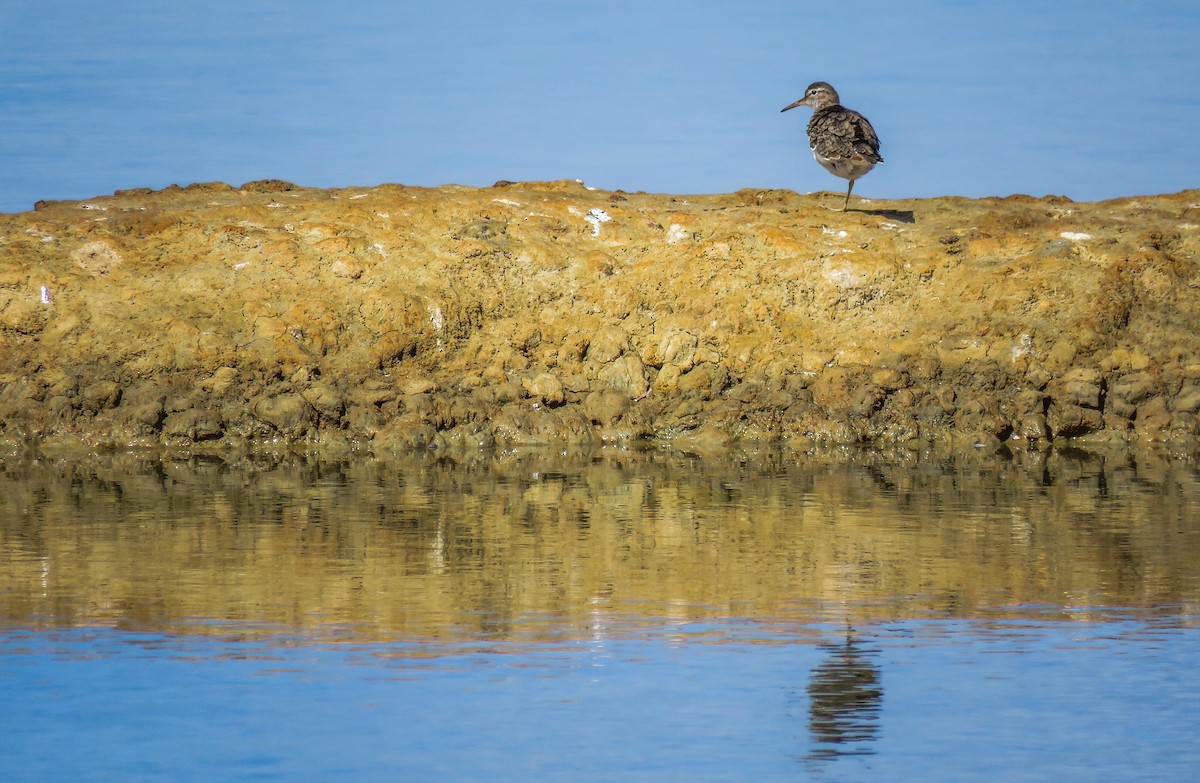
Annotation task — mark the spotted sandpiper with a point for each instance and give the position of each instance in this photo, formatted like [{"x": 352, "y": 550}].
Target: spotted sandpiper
[{"x": 841, "y": 139}]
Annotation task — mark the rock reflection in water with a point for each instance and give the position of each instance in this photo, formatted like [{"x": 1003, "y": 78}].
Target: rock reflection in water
[{"x": 536, "y": 545}]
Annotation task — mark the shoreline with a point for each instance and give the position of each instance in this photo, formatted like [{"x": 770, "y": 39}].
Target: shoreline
[{"x": 390, "y": 318}]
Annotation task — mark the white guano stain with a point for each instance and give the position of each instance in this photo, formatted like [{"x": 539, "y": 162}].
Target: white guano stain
[{"x": 596, "y": 217}]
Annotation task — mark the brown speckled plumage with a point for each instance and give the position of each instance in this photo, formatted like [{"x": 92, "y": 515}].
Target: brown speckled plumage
[{"x": 842, "y": 140}]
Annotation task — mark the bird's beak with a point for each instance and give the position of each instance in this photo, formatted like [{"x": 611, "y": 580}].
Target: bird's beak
[{"x": 794, "y": 105}]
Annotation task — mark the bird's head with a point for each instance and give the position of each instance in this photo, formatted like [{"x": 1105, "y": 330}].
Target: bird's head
[{"x": 817, "y": 96}]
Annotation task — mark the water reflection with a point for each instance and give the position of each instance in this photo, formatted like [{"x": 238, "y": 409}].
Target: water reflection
[
  {"x": 845, "y": 697},
  {"x": 551, "y": 546},
  {"x": 525, "y": 614}
]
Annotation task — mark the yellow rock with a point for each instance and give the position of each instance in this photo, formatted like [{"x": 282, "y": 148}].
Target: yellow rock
[{"x": 867, "y": 325}]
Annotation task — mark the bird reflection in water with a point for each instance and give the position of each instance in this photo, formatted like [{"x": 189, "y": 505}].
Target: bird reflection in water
[{"x": 845, "y": 696}]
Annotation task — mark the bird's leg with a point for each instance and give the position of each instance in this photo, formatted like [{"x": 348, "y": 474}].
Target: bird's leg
[{"x": 847, "y": 204}]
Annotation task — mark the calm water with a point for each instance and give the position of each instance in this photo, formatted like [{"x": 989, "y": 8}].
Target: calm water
[
  {"x": 971, "y": 99},
  {"x": 621, "y": 615}
]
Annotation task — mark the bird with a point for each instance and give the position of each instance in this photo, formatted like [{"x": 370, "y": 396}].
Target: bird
[{"x": 842, "y": 140}]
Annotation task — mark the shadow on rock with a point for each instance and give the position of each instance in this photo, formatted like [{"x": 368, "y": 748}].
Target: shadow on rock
[{"x": 901, "y": 215}]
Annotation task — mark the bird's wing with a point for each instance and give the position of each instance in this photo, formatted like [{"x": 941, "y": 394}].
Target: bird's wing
[
  {"x": 866, "y": 142},
  {"x": 840, "y": 132}
]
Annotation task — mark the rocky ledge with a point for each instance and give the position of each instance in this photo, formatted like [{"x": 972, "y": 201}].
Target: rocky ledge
[{"x": 394, "y": 317}]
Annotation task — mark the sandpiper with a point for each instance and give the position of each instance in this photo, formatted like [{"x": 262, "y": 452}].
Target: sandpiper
[{"x": 841, "y": 139}]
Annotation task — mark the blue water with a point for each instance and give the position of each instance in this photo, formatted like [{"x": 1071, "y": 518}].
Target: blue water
[
  {"x": 936, "y": 700},
  {"x": 974, "y": 99},
  {"x": 619, "y": 615}
]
